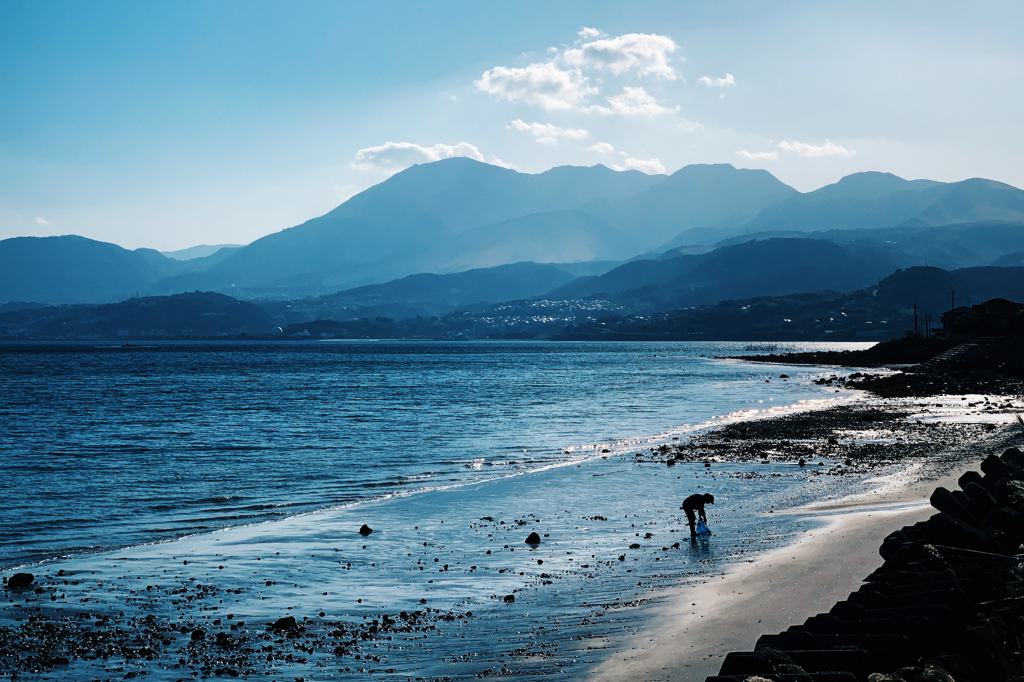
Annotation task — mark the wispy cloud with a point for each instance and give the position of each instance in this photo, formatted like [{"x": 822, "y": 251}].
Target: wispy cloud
[
  {"x": 649, "y": 166},
  {"x": 601, "y": 148},
  {"x": 728, "y": 81},
  {"x": 395, "y": 156},
  {"x": 690, "y": 126},
  {"x": 633, "y": 101},
  {"x": 547, "y": 133},
  {"x": 757, "y": 156},
  {"x": 41, "y": 221},
  {"x": 813, "y": 151},
  {"x": 543, "y": 84},
  {"x": 588, "y": 33},
  {"x": 645, "y": 53}
]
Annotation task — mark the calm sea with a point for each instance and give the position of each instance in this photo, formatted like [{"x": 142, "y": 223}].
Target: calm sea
[{"x": 106, "y": 446}]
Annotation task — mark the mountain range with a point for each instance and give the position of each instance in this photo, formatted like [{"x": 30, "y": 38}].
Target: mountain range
[{"x": 458, "y": 215}]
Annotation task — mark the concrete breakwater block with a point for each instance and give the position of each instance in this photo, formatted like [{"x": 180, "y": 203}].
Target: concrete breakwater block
[{"x": 947, "y": 604}]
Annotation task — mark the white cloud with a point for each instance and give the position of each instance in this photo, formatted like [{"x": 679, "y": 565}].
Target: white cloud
[
  {"x": 41, "y": 221},
  {"x": 757, "y": 156},
  {"x": 650, "y": 166},
  {"x": 601, "y": 148},
  {"x": 542, "y": 84},
  {"x": 726, "y": 82},
  {"x": 690, "y": 126},
  {"x": 645, "y": 53},
  {"x": 395, "y": 156},
  {"x": 814, "y": 151},
  {"x": 588, "y": 33},
  {"x": 547, "y": 133},
  {"x": 632, "y": 102}
]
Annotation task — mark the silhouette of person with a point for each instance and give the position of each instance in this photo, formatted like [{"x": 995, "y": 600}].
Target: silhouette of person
[{"x": 694, "y": 507}]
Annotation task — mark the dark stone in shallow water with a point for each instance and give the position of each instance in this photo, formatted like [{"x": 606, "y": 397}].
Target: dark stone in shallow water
[
  {"x": 198, "y": 634},
  {"x": 286, "y": 623},
  {"x": 533, "y": 539},
  {"x": 365, "y": 530},
  {"x": 20, "y": 580}
]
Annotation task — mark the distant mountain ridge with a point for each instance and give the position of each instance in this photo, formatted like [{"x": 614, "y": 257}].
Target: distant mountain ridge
[
  {"x": 946, "y": 246},
  {"x": 72, "y": 269},
  {"x": 879, "y": 200},
  {"x": 458, "y": 214},
  {"x": 769, "y": 267},
  {"x": 396, "y": 228},
  {"x": 430, "y": 294},
  {"x": 202, "y": 251},
  {"x": 697, "y": 197}
]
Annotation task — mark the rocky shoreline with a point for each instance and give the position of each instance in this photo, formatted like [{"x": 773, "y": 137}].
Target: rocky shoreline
[
  {"x": 946, "y": 606},
  {"x": 928, "y": 366}
]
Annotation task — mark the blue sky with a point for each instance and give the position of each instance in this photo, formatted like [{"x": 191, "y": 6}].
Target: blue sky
[{"x": 168, "y": 125}]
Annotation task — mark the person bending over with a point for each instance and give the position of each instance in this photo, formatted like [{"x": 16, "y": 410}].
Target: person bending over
[{"x": 694, "y": 508}]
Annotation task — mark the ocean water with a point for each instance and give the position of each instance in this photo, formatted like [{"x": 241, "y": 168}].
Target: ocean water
[
  {"x": 107, "y": 446},
  {"x": 250, "y": 468}
]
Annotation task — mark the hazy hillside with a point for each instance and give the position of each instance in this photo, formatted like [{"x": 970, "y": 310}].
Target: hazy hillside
[
  {"x": 459, "y": 214},
  {"x": 443, "y": 292},
  {"x": 972, "y": 201},
  {"x": 197, "y": 314},
  {"x": 946, "y": 246},
  {"x": 1010, "y": 259},
  {"x": 757, "y": 268},
  {"x": 866, "y": 201},
  {"x": 707, "y": 197},
  {"x": 73, "y": 269},
  {"x": 560, "y": 237},
  {"x": 396, "y": 228},
  {"x": 862, "y": 200},
  {"x": 930, "y": 287},
  {"x": 428, "y": 295},
  {"x": 203, "y": 251}
]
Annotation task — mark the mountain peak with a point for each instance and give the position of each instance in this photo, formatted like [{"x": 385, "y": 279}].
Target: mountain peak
[{"x": 869, "y": 185}]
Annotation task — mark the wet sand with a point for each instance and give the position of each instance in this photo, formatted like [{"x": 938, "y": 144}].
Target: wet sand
[
  {"x": 690, "y": 635},
  {"x": 693, "y": 628}
]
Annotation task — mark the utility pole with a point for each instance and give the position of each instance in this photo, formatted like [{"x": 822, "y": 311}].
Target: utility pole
[
  {"x": 952, "y": 298},
  {"x": 916, "y": 333}
]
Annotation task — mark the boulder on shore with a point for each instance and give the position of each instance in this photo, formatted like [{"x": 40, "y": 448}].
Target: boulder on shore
[
  {"x": 20, "y": 581},
  {"x": 286, "y": 623}
]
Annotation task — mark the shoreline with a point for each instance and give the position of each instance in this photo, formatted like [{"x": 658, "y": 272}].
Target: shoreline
[
  {"x": 767, "y": 594},
  {"x": 634, "y": 608},
  {"x": 689, "y": 635}
]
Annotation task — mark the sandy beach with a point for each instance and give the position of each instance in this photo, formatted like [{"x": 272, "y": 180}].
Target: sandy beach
[{"x": 696, "y": 627}]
